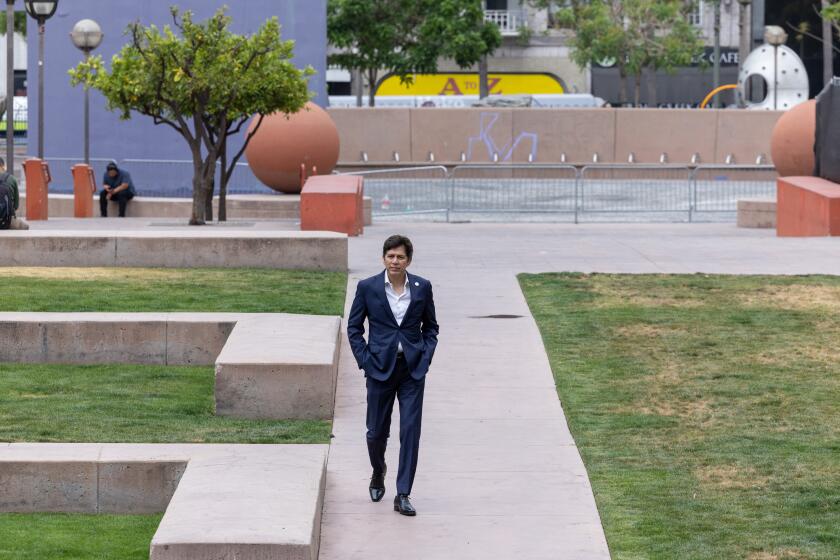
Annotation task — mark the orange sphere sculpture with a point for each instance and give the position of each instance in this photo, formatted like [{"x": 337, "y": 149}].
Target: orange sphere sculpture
[
  {"x": 792, "y": 142},
  {"x": 281, "y": 145}
]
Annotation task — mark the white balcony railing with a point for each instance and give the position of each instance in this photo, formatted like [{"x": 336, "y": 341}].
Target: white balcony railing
[{"x": 509, "y": 21}]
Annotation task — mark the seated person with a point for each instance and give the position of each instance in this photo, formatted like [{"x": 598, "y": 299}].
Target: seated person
[
  {"x": 9, "y": 200},
  {"x": 116, "y": 186}
]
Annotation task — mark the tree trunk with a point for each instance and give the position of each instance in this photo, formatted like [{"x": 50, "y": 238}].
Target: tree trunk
[
  {"x": 651, "y": 89},
  {"x": 483, "y": 81},
  {"x": 360, "y": 87},
  {"x": 622, "y": 85},
  {"x": 197, "y": 218},
  {"x": 372, "y": 86},
  {"x": 637, "y": 89},
  {"x": 828, "y": 50},
  {"x": 209, "y": 185},
  {"x": 223, "y": 181}
]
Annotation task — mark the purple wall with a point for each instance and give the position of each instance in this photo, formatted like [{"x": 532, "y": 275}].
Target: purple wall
[{"x": 301, "y": 20}]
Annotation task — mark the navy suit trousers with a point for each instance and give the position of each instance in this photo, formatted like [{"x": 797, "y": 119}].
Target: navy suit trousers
[{"x": 380, "y": 403}]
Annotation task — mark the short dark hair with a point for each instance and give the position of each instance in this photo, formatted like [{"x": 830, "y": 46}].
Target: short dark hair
[
  {"x": 2, "y": 162},
  {"x": 398, "y": 241},
  {"x": 112, "y": 166}
]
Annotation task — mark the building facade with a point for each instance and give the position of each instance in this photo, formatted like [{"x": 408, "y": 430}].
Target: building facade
[{"x": 304, "y": 21}]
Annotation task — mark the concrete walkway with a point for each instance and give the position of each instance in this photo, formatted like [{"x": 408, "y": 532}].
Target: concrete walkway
[{"x": 499, "y": 475}]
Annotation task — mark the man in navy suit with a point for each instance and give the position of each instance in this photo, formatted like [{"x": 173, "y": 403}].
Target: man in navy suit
[{"x": 403, "y": 334}]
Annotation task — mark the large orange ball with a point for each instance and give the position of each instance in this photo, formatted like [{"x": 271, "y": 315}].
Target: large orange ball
[
  {"x": 792, "y": 142},
  {"x": 281, "y": 144}
]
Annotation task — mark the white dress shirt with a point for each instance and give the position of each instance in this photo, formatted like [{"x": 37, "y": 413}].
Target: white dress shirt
[{"x": 399, "y": 303}]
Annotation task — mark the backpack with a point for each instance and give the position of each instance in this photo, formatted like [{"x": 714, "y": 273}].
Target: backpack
[{"x": 7, "y": 209}]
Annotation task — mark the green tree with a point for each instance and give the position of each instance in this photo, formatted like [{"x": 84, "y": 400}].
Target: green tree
[
  {"x": 831, "y": 12},
  {"x": 638, "y": 35},
  {"x": 204, "y": 82},
  {"x": 20, "y": 22},
  {"x": 407, "y": 36}
]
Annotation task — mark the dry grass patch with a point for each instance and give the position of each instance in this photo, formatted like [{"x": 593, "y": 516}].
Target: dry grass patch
[
  {"x": 794, "y": 296},
  {"x": 93, "y": 273},
  {"x": 781, "y": 554},
  {"x": 729, "y": 477}
]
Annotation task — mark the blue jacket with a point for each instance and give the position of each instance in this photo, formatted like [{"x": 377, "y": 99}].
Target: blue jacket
[{"x": 417, "y": 333}]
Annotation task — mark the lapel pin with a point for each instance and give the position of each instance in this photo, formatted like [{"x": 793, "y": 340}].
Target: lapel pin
[{"x": 417, "y": 283}]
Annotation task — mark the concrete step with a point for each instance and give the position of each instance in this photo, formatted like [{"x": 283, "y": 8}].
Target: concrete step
[
  {"x": 248, "y": 502},
  {"x": 239, "y": 206}
]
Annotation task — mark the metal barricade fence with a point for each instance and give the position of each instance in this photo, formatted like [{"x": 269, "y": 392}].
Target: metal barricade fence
[
  {"x": 173, "y": 178},
  {"x": 159, "y": 177},
  {"x": 647, "y": 192},
  {"x": 61, "y": 171},
  {"x": 407, "y": 191},
  {"x": 716, "y": 189},
  {"x": 513, "y": 190}
]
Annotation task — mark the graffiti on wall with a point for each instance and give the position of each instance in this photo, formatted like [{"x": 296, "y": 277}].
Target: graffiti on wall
[{"x": 505, "y": 152}]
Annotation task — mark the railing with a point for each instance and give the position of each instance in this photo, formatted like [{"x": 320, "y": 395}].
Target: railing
[
  {"x": 501, "y": 192},
  {"x": 598, "y": 192},
  {"x": 62, "y": 175},
  {"x": 508, "y": 21},
  {"x": 408, "y": 190},
  {"x": 717, "y": 188}
]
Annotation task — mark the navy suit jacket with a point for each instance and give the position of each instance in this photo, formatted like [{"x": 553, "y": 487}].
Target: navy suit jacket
[{"x": 417, "y": 333}]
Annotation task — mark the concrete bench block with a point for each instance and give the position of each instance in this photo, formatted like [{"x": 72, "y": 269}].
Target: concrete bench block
[
  {"x": 249, "y": 502},
  {"x": 807, "y": 207},
  {"x": 757, "y": 214},
  {"x": 333, "y": 203},
  {"x": 239, "y": 207},
  {"x": 49, "y": 486},
  {"x": 139, "y": 487},
  {"x": 196, "y": 342},
  {"x": 38, "y": 248},
  {"x": 180, "y": 249},
  {"x": 268, "y": 365},
  {"x": 279, "y": 369}
]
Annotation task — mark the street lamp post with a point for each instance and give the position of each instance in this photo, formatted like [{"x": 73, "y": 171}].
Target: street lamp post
[
  {"x": 10, "y": 86},
  {"x": 41, "y": 11},
  {"x": 86, "y": 36}
]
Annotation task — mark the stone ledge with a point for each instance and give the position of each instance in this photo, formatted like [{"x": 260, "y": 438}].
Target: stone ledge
[
  {"x": 248, "y": 502},
  {"x": 268, "y": 365},
  {"x": 302, "y": 250},
  {"x": 757, "y": 214},
  {"x": 239, "y": 207}
]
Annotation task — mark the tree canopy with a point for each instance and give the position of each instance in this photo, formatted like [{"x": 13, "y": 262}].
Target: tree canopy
[
  {"x": 407, "y": 36},
  {"x": 202, "y": 81},
  {"x": 638, "y": 35}
]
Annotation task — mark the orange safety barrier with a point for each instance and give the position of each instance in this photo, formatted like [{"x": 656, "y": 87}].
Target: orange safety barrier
[
  {"x": 333, "y": 203},
  {"x": 84, "y": 186},
  {"x": 807, "y": 207},
  {"x": 37, "y": 186}
]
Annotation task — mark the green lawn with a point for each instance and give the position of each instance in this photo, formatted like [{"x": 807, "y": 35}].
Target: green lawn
[
  {"x": 129, "y": 403},
  {"x": 50, "y": 536},
  {"x": 706, "y": 409},
  {"x": 157, "y": 289}
]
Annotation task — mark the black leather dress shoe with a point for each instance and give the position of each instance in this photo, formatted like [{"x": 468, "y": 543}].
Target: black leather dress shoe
[
  {"x": 402, "y": 505},
  {"x": 377, "y": 486}
]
